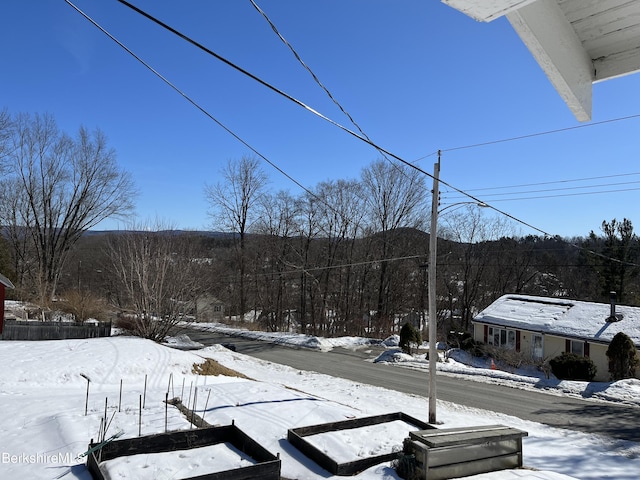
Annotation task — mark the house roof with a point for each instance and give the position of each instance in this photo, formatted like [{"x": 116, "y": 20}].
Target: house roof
[
  {"x": 562, "y": 317},
  {"x": 6, "y": 282},
  {"x": 576, "y": 42}
]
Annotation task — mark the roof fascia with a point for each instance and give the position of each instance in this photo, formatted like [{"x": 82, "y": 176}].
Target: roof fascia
[
  {"x": 486, "y": 10},
  {"x": 546, "y": 333},
  {"x": 556, "y": 47},
  {"x": 6, "y": 282}
]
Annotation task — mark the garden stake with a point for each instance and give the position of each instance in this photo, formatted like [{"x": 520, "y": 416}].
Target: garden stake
[
  {"x": 144, "y": 398},
  {"x": 205, "y": 406},
  {"x": 140, "y": 418},
  {"x": 166, "y": 410},
  {"x": 86, "y": 402}
]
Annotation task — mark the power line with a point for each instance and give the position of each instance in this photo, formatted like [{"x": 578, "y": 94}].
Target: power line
[
  {"x": 306, "y": 67},
  {"x": 601, "y": 177},
  {"x": 565, "y": 195},
  {"x": 256, "y": 78},
  {"x": 524, "y": 192},
  {"x": 201, "y": 109},
  {"x": 188, "y": 98},
  {"x": 539, "y": 134},
  {"x": 315, "y": 112},
  {"x": 382, "y": 151}
]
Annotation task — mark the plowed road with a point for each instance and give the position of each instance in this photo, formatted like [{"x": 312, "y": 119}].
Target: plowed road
[{"x": 619, "y": 421}]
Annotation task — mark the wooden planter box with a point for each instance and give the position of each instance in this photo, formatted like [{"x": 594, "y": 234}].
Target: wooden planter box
[
  {"x": 296, "y": 438},
  {"x": 268, "y": 467}
]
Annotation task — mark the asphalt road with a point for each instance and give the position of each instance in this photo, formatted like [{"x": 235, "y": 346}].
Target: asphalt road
[{"x": 618, "y": 421}]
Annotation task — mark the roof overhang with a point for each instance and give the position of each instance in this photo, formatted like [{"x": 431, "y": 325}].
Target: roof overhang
[
  {"x": 6, "y": 282},
  {"x": 576, "y": 42}
]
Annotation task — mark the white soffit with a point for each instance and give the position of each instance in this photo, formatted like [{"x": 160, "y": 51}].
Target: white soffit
[
  {"x": 485, "y": 11},
  {"x": 556, "y": 47},
  {"x": 576, "y": 42}
]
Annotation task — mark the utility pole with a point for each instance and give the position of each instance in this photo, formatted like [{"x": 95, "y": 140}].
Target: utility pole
[{"x": 433, "y": 242}]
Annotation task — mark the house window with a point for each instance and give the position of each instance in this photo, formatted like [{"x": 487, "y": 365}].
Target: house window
[
  {"x": 502, "y": 337},
  {"x": 217, "y": 308},
  {"x": 577, "y": 347},
  {"x": 537, "y": 349}
]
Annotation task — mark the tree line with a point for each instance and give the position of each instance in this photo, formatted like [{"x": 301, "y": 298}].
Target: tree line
[{"x": 346, "y": 257}]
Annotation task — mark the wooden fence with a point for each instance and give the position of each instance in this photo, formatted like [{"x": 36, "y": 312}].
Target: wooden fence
[{"x": 35, "y": 330}]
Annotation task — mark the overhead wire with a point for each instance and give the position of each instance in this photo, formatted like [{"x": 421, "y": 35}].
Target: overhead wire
[
  {"x": 561, "y": 195},
  {"x": 538, "y": 134},
  {"x": 524, "y": 192},
  {"x": 553, "y": 182},
  {"x": 187, "y": 97},
  {"x": 412, "y": 165},
  {"x": 313, "y": 111},
  {"x": 264, "y": 83},
  {"x": 209, "y": 115},
  {"x": 306, "y": 67},
  {"x": 325, "y": 89}
]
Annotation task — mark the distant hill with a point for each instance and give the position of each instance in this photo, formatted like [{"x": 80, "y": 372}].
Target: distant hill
[{"x": 203, "y": 233}]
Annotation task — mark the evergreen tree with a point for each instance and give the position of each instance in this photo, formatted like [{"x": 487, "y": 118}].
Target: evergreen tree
[
  {"x": 409, "y": 335},
  {"x": 623, "y": 357},
  {"x": 617, "y": 252}
]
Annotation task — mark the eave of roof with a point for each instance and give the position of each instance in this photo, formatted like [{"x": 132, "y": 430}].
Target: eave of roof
[
  {"x": 6, "y": 282},
  {"x": 562, "y": 317},
  {"x": 576, "y": 43}
]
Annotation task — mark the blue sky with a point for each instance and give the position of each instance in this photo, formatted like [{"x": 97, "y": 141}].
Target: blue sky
[{"x": 416, "y": 75}]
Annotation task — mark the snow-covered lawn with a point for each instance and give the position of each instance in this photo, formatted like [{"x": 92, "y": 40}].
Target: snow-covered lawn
[{"x": 43, "y": 426}]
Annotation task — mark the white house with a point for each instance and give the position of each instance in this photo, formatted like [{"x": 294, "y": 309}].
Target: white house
[
  {"x": 546, "y": 327},
  {"x": 208, "y": 309}
]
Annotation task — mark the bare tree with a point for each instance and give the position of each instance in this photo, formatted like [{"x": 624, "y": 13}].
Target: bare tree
[
  {"x": 472, "y": 233},
  {"x": 55, "y": 189},
  {"x": 340, "y": 217},
  {"x": 396, "y": 197},
  {"x": 274, "y": 289},
  {"x": 308, "y": 230},
  {"x": 233, "y": 201},
  {"x": 5, "y": 135},
  {"x": 158, "y": 275}
]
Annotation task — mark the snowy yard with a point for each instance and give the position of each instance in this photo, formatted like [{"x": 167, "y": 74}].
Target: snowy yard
[{"x": 43, "y": 427}]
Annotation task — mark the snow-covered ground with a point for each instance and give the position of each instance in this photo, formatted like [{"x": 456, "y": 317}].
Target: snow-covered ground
[{"x": 43, "y": 426}]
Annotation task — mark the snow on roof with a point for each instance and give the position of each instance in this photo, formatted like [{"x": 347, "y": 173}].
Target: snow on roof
[{"x": 562, "y": 317}]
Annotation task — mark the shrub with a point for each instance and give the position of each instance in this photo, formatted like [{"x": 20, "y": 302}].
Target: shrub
[
  {"x": 623, "y": 357},
  {"x": 409, "y": 335},
  {"x": 458, "y": 339},
  {"x": 506, "y": 357},
  {"x": 570, "y": 366},
  {"x": 126, "y": 322},
  {"x": 83, "y": 305}
]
